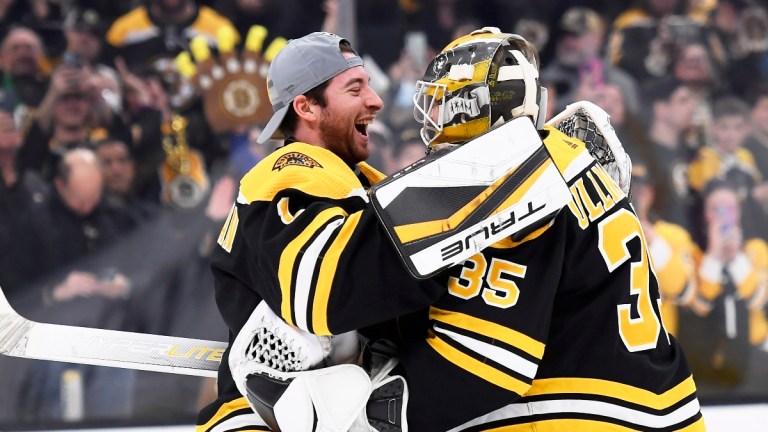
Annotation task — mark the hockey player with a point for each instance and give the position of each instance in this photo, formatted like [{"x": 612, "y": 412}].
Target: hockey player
[
  {"x": 559, "y": 330},
  {"x": 302, "y": 236}
]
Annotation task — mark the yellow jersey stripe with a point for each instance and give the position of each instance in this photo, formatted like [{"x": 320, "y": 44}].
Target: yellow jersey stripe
[
  {"x": 290, "y": 257},
  {"x": 489, "y": 329},
  {"x": 209, "y": 21},
  {"x": 553, "y": 386},
  {"x": 223, "y": 411},
  {"x": 328, "y": 272},
  {"x": 133, "y": 21},
  {"x": 476, "y": 367}
]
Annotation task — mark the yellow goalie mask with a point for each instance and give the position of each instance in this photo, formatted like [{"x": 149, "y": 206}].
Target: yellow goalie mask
[{"x": 478, "y": 82}]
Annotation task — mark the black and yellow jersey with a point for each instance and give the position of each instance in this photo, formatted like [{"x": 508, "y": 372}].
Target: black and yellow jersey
[
  {"x": 140, "y": 37},
  {"x": 711, "y": 163},
  {"x": 147, "y": 44},
  {"x": 749, "y": 273},
  {"x": 673, "y": 252},
  {"x": 558, "y": 331},
  {"x": 303, "y": 237}
]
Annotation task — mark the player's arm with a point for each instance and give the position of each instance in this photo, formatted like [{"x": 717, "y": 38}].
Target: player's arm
[
  {"x": 326, "y": 266},
  {"x": 303, "y": 231}
]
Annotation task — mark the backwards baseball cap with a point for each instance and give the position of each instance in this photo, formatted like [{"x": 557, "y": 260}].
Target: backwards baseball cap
[{"x": 300, "y": 66}]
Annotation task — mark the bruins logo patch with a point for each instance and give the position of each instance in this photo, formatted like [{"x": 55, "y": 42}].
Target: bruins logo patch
[{"x": 295, "y": 158}]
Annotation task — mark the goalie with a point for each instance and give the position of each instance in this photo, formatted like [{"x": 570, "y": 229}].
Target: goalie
[{"x": 557, "y": 327}]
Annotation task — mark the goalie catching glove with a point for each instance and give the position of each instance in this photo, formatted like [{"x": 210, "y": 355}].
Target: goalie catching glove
[{"x": 294, "y": 380}]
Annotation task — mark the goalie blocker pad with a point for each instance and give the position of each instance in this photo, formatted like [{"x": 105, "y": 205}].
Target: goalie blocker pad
[{"x": 448, "y": 206}]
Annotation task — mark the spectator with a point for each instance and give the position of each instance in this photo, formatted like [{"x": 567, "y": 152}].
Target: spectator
[
  {"x": 78, "y": 220},
  {"x": 119, "y": 171},
  {"x": 148, "y": 113},
  {"x": 64, "y": 120},
  {"x": 21, "y": 191},
  {"x": 727, "y": 159},
  {"x": 757, "y": 141},
  {"x": 694, "y": 67},
  {"x": 731, "y": 276},
  {"x": 672, "y": 107},
  {"x": 80, "y": 105},
  {"x": 642, "y": 41},
  {"x": 23, "y": 64},
  {"x": 757, "y": 144},
  {"x": 153, "y": 34},
  {"x": 84, "y": 30},
  {"x": 578, "y": 70},
  {"x": 629, "y": 127},
  {"x": 743, "y": 30}
]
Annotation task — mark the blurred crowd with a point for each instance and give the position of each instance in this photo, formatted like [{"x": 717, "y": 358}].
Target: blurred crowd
[{"x": 117, "y": 170}]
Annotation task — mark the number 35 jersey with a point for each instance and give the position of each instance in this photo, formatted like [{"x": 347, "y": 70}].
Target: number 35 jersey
[{"x": 558, "y": 331}]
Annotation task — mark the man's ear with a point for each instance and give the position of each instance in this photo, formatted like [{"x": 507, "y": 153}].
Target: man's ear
[
  {"x": 60, "y": 185},
  {"x": 305, "y": 108}
]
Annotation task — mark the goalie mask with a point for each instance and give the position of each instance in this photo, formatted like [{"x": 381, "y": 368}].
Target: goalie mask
[{"x": 478, "y": 82}]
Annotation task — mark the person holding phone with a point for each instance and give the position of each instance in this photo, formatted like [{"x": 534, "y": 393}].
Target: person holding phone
[{"x": 730, "y": 297}]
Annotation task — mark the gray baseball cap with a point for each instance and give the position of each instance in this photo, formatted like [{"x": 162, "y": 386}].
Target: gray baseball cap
[{"x": 300, "y": 66}]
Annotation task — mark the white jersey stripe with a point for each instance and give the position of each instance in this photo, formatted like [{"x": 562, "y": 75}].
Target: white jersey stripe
[
  {"x": 563, "y": 407},
  {"x": 497, "y": 354},
  {"x": 306, "y": 273},
  {"x": 238, "y": 422}
]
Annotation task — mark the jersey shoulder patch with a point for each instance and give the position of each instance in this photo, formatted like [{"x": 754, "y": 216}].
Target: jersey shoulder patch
[{"x": 295, "y": 159}]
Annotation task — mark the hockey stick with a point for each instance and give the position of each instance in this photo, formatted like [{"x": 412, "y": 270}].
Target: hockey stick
[{"x": 20, "y": 337}]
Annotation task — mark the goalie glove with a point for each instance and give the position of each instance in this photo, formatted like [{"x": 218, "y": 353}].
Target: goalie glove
[
  {"x": 270, "y": 363},
  {"x": 592, "y": 125}
]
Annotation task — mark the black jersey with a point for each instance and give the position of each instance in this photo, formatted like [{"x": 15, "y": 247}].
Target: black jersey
[
  {"x": 303, "y": 237},
  {"x": 559, "y": 331}
]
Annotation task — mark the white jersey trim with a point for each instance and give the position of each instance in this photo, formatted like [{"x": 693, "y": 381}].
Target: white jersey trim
[
  {"x": 497, "y": 354},
  {"x": 307, "y": 271},
  {"x": 577, "y": 406}
]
